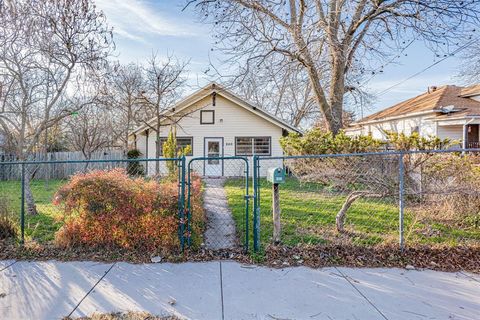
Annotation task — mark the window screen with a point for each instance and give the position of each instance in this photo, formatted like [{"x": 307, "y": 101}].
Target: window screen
[
  {"x": 182, "y": 142},
  {"x": 248, "y": 146}
]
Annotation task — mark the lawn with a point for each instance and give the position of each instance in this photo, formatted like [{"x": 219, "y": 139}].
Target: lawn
[
  {"x": 308, "y": 216},
  {"x": 41, "y": 227},
  {"x": 309, "y": 210}
]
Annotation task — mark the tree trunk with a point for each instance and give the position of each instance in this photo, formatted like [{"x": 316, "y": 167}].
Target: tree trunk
[
  {"x": 342, "y": 213},
  {"x": 158, "y": 148},
  {"x": 336, "y": 93},
  {"x": 125, "y": 146},
  {"x": 333, "y": 120},
  {"x": 127, "y": 131},
  {"x": 29, "y": 200}
]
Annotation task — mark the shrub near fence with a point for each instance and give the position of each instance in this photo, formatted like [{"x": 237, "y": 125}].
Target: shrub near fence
[{"x": 110, "y": 207}]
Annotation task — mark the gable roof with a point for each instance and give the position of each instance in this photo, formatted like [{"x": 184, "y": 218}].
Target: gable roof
[
  {"x": 433, "y": 101},
  {"x": 219, "y": 90}
]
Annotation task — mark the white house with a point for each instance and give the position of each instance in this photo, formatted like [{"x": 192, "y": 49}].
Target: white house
[
  {"x": 447, "y": 112},
  {"x": 216, "y": 123}
]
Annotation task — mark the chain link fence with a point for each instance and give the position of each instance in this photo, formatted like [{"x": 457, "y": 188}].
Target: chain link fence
[
  {"x": 379, "y": 199},
  {"x": 41, "y": 197},
  {"x": 226, "y": 203}
]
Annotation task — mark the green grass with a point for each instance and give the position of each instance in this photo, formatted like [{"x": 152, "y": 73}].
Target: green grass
[
  {"x": 41, "y": 227},
  {"x": 308, "y": 216},
  {"x": 308, "y": 213}
]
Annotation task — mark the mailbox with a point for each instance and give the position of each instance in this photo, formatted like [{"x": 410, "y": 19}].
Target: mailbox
[{"x": 276, "y": 175}]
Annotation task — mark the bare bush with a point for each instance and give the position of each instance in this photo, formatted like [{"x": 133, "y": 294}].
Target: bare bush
[
  {"x": 450, "y": 190},
  {"x": 8, "y": 228}
]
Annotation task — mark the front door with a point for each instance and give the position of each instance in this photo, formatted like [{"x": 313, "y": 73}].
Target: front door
[
  {"x": 213, "y": 151},
  {"x": 472, "y": 136}
]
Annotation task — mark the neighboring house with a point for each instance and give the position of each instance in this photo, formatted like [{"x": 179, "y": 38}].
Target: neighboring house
[
  {"x": 447, "y": 112},
  {"x": 216, "y": 123}
]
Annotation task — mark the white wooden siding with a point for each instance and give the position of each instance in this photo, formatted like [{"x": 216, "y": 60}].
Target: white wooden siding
[
  {"x": 231, "y": 121},
  {"x": 453, "y": 132},
  {"x": 406, "y": 125}
]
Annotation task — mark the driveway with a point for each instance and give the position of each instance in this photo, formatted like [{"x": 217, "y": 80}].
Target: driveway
[{"x": 230, "y": 290}]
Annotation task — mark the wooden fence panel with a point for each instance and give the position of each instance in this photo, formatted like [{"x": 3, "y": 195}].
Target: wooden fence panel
[{"x": 60, "y": 170}]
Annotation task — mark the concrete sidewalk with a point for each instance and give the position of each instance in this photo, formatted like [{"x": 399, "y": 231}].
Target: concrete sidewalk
[{"x": 229, "y": 290}]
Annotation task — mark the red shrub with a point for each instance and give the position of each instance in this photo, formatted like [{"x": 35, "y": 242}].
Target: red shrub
[
  {"x": 197, "y": 224},
  {"x": 108, "y": 208}
]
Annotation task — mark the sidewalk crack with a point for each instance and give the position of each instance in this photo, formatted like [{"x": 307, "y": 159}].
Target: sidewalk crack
[
  {"x": 361, "y": 293},
  {"x": 221, "y": 291},
  {"x": 11, "y": 264},
  {"x": 89, "y": 291},
  {"x": 469, "y": 276}
]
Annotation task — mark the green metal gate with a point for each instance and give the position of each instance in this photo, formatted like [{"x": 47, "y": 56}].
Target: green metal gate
[{"x": 222, "y": 221}]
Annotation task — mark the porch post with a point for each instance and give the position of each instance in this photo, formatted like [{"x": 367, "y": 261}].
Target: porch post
[{"x": 464, "y": 137}]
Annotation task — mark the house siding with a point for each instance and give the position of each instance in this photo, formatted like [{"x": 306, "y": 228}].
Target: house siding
[
  {"x": 231, "y": 120},
  {"x": 452, "y": 132},
  {"x": 405, "y": 125}
]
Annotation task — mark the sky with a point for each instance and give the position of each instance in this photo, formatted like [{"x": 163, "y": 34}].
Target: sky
[{"x": 144, "y": 27}]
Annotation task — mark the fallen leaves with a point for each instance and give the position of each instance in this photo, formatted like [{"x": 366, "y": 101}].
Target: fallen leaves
[
  {"x": 124, "y": 316},
  {"x": 437, "y": 258}
]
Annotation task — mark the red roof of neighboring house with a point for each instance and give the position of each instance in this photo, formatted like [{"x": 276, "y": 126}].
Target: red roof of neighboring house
[
  {"x": 434, "y": 100},
  {"x": 470, "y": 91}
]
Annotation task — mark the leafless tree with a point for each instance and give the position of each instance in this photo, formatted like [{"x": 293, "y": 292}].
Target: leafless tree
[
  {"x": 163, "y": 84},
  {"x": 334, "y": 40},
  {"x": 122, "y": 92},
  {"x": 47, "y": 48},
  {"x": 469, "y": 71},
  {"x": 91, "y": 130},
  {"x": 282, "y": 89}
]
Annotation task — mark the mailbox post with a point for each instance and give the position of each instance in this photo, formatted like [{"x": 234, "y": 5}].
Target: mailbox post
[{"x": 276, "y": 176}]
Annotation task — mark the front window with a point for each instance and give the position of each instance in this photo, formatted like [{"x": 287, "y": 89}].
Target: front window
[
  {"x": 248, "y": 146},
  {"x": 182, "y": 143}
]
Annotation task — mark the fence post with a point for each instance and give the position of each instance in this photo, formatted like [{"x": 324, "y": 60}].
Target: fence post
[
  {"x": 256, "y": 205},
  {"x": 401, "y": 190},
  {"x": 189, "y": 207},
  {"x": 277, "y": 225},
  {"x": 181, "y": 203},
  {"x": 22, "y": 207},
  {"x": 247, "y": 202}
]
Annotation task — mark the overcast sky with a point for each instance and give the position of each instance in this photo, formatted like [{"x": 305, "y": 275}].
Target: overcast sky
[{"x": 145, "y": 26}]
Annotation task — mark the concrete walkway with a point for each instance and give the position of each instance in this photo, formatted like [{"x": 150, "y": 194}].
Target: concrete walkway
[
  {"x": 220, "y": 232},
  {"x": 229, "y": 290}
]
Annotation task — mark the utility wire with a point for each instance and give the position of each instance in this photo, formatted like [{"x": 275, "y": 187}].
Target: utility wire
[{"x": 430, "y": 66}]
